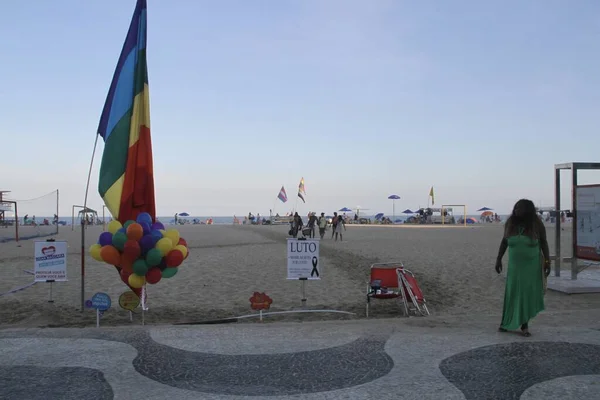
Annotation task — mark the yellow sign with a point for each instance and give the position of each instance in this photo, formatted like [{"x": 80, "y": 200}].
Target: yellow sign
[{"x": 129, "y": 300}]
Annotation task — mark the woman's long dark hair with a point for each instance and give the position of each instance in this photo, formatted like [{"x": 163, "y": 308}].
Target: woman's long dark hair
[{"x": 524, "y": 215}]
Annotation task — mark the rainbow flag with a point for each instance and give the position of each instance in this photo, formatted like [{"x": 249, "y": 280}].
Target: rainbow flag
[
  {"x": 301, "y": 190},
  {"x": 282, "y": 195},
  {"x": 126, "y": 182}
]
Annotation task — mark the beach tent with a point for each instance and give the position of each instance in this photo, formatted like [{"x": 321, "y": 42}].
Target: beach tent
[
  {"x": 471, "y": 220},
  {"x": 378, "y": 216}
]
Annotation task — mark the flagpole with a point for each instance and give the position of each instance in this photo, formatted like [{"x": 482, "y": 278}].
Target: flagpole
[{"x": 87, "y": 187}]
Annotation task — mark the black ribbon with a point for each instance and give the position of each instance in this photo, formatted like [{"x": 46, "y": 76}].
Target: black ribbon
[{"x": 314, "y": 271}]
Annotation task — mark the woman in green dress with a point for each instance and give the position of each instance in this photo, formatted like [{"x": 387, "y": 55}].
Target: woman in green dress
[{"x": 528, "y": 265}]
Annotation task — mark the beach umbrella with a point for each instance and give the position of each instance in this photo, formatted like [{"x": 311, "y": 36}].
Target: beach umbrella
[
  {"x": 485, "y": 209},
  {"x": 345, "y": 209},
  {"x": 487, "y": 213},
  {"x": 378, "y": 216},
  {"x": 183, "y": 214},
  {"x": 394, "y": 197},
  {"x": 407, "y": 211}
]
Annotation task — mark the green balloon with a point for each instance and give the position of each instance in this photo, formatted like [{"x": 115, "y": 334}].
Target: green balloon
[
  {"x": 169, "y": 272},
  {"x": 140, "y": 267},
  {"x": 118, "y": 240},
  {"x": 126, "y": 224},
  {"x": 154, "y": 257}
]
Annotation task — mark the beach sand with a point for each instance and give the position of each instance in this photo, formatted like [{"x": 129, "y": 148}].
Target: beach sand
[{"x": 454, "y": 266}]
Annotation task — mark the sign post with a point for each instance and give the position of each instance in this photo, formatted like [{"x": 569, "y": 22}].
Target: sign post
[
  {"x": 50, "y": 262},
  {"x": 303, "y": 262},
  {"x": 101, "y": 302}
]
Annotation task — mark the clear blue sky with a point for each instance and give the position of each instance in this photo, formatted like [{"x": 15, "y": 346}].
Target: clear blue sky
[{"x": 362, "y": 98}]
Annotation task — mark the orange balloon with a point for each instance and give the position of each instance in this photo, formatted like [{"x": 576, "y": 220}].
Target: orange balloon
[
  {"x": 135, "y": 232},
  {"x": 110, "y": 255}
]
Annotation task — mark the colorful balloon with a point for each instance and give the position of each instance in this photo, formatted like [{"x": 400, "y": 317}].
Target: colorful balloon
[
  {"x": 146, "y": 243},
  {"x": 156, "y": 235},
  {"x": 154, "y": 257},
  {"x": 140, "y": 267},
  {"x": 144, "y": 218},
  {"x": 182, "y": 249},
  {"x": 135, "y": 231},
  {"x": 136, "y": 281},
  {"x": 165, "y": 245},
  {"x": 162, "y": 265},
  {"x": 105, "y": 239},
  {"x": 131, "y": 250},
  {"x": 95, "y": 252},
  {"x": 146, "y": 228},
  {"x": 153, "y": 276},
  {"x": 157, "y": 226},
  {"x": 126, "y": 264},
  {"x": 125, "y": 276},
  {"x": 169, "y": 272},
  {"x": 114, "y": 226},
  {"x": 172, "y": 234},
  {"x": 174, "y": 258},
  {"x": 127, "y": 223},
  {"x": 110, "y": 255},
  {"x": 182, "y": 242},
  {"x": 118, "y": 240}
]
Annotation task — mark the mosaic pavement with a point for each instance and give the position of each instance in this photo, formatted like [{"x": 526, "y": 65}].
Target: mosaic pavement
[{"x": 383, "y": 359}]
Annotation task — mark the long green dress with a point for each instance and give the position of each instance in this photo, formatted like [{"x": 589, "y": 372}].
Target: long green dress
[{"x": 524, "y": 294}]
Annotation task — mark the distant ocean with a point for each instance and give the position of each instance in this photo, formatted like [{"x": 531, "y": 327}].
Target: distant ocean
[{"x": 228, "y": 220}]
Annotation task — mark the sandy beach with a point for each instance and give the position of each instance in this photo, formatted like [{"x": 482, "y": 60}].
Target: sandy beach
[{"x": 453, "y": 264}]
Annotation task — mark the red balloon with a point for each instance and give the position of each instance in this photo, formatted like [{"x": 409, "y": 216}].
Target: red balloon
[
  {"x": 110, "y": 255},
  {"x": 135, "y": 231},
  {"x": 182, "y": 241},
  {"x": 125, "y": 276},
  {"x": 126, "y": 264},
  {"x": 174, "y": 258},
  {"x": 132, "y": 249},
  {"x": 154, "y": 275}
]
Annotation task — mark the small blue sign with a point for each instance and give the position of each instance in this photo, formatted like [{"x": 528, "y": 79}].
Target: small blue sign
[{"x": 101, "y": 301}]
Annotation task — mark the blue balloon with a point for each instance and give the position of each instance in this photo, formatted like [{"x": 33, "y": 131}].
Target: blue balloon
[
  {"x": 146, "y": 243},
  {"x": 122, "y": 230},
  {"x": 158, "y": 226},
  {"x": 146, "y": 228},
  {"x": 156, "y": 235},
  {"x": 105, "y": 239},
  {"x": 144, "y": 218}
]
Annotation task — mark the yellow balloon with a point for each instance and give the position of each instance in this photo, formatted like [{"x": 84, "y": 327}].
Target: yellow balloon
[
  {"x": 163, "y": 232},
  {"x": 114, "y": 226},
  {"x": 136, "y": 281},
  {"x": 165, "y": 245},
  {"x": 182, "y": 249},
  {"x": 95, "y": 252},
  {"x": 172, "y": 234}
]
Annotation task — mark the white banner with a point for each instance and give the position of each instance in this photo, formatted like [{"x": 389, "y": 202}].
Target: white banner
[
  {"x": 50, "y": 261},
  {"x": 303, "y": 259}
]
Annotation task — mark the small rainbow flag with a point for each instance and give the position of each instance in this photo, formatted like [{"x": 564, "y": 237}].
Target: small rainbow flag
[
  {"x": 282, "y": 195},
  {"x": 126, "y": 182},
  {"x": 301, "y": 190}
]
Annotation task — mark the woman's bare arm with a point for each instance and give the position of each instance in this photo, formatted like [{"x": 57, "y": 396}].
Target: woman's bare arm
[
  {"x": 544, "y": 243},
  {"x": 502, "y": 249}
]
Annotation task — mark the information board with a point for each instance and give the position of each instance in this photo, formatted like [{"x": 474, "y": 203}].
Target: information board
[
  {"x": 586, "y": 224},
  {"x": 50, "y": 261},
  {"x": 303, "y": 259}
]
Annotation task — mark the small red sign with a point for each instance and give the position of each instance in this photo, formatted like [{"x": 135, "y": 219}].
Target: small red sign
[
  {"x": 48, "y": 251},
  {"x": 260, "y": 301}
]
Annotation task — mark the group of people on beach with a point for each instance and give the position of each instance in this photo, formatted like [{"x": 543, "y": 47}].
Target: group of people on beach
[{"x": 338, "y": 225}]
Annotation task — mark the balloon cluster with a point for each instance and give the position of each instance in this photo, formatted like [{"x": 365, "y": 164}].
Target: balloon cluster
[{"x": 144, "y": 251}]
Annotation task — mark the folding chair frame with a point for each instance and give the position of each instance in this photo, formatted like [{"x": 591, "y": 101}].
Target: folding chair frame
[{"x": 404, "y": 288}]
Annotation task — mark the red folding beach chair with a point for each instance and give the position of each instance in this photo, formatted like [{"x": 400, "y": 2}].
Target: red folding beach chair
[
  {"x": 393, "y": 281},
  {"x": 384, "y": 284},
  {"x": 412, "y": 291}
]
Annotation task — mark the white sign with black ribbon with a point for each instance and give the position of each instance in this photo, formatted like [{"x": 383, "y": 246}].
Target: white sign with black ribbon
[{"x": 303, "y": 259}]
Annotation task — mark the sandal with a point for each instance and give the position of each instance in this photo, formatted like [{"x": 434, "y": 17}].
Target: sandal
[
  {"x": 501, "y": 329},
  {"x": 525, "y": 330}
]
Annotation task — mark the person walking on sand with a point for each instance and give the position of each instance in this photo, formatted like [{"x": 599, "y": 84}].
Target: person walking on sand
[
  {"x": 334, "y": 222},
  {"x": 339, "y": 228},
  {"x": 322, "y": 225},
  {"x": 528, "y": 267},
  {"x": 297, "y": 225}
]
